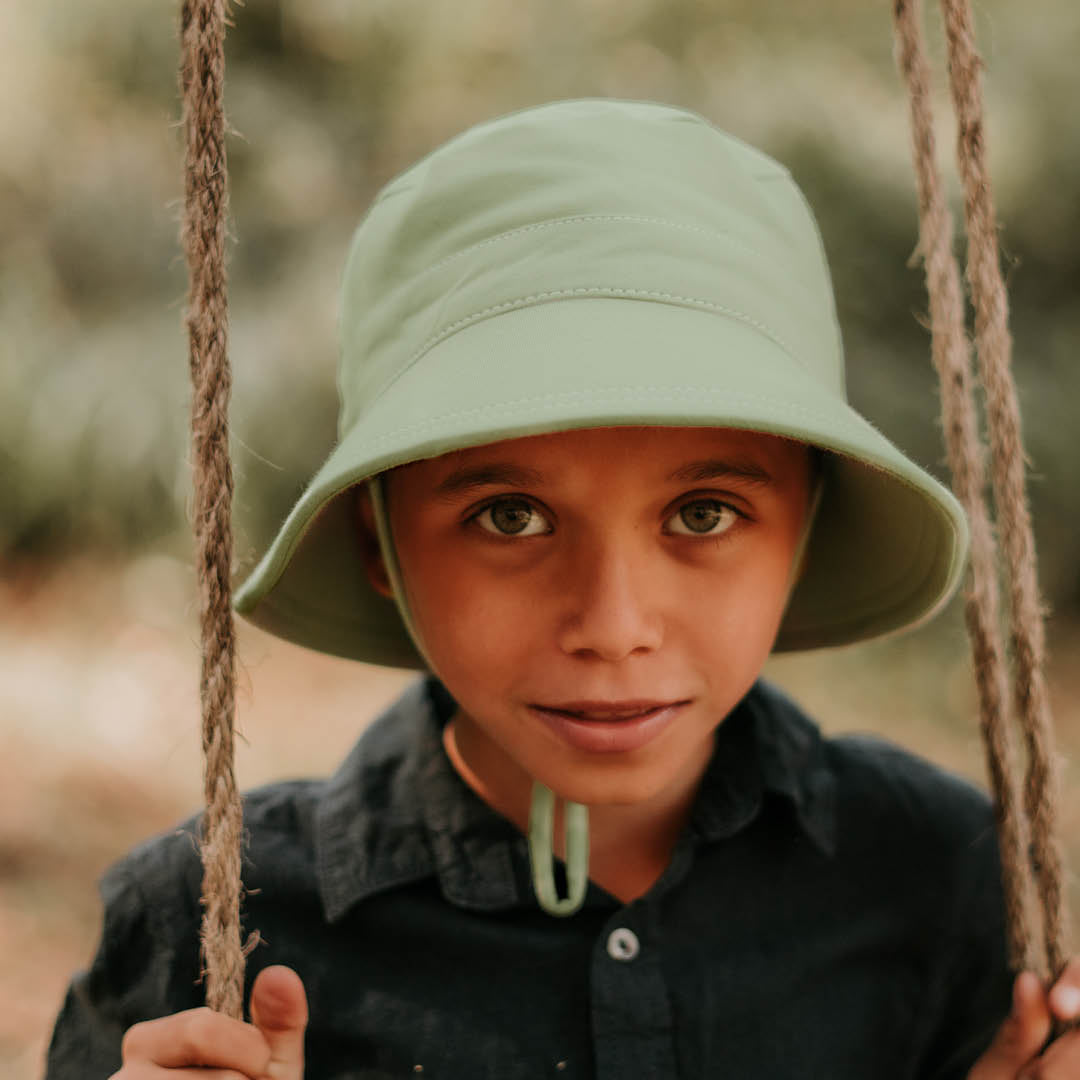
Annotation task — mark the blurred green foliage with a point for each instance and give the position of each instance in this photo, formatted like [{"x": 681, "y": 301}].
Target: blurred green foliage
[{"x": 329, "y": 99}]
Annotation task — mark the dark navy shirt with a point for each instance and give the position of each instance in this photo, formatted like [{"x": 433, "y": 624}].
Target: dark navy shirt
[{"x": 832, "y": 909}]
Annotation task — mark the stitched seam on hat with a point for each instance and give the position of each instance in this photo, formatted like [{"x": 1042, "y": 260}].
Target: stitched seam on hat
[
  {"x": 591, "y": 290},
  {"x": 660, "y": 393},
  {"x": 579, "y": 220}
]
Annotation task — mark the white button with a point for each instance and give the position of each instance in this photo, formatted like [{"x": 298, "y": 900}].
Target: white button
[{"x": 622, "y": 944}]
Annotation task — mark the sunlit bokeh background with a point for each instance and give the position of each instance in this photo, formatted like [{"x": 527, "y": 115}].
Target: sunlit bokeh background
[{"x": 327, "y": 100}]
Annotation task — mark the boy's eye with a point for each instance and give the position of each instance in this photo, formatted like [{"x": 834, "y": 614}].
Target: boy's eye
[
  {"x": 703, "y": 517},
  {"x": 512, "y": 517}
]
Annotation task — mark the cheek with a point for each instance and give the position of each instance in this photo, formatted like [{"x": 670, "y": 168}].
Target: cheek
[
  {"x": 468, "y": 624},
  {"x": 739, "y": 611}
]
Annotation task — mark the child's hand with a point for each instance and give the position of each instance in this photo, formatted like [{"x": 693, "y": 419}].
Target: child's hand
[
  {"x": 1014, "y": 1053},
  {"x": 269, "y": 1048}
]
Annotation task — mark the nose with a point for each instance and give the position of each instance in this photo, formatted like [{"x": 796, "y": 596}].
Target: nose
[{"x": 612, "y": 609}]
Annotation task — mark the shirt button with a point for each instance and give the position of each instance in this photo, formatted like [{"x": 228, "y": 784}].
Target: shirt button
[{"x": 622, "y": 944}]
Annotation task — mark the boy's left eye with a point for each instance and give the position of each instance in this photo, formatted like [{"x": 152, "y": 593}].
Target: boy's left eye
[
  {"x": 702, "y": 517},
  {"x": 512, "y": 517}
]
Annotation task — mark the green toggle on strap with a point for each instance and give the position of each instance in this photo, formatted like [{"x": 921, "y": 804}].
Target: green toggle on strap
[{"x": 541, "y": 827}]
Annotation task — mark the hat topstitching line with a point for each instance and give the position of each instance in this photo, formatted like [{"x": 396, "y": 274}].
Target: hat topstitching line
[
  {"x": 582, "y": 219},
  {"x": 657, "y": 393},
  {"x": 586, "y": 291}
]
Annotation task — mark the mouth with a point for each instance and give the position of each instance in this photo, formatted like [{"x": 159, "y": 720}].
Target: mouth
[
  {"x": 612, "y": 711},
  {"x": 609, "y": 726}
]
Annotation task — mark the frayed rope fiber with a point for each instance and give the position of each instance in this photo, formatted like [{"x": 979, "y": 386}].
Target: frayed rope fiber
[
  {"x": 1030, "y": 847},
  {"x": 202, "y": 72}
]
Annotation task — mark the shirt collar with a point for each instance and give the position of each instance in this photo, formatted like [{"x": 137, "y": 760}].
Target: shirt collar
[
  {"x": 396, "y": 811},
  {"x": 767, "y": 744}
]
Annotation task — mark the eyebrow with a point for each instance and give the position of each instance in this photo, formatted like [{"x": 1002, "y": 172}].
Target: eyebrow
[
  {"x": 718, "y": 469},
  {"x": 469, "y": 477}
]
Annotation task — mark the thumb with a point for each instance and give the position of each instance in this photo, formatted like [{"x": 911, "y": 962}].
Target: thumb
[
  {"x": 1021, "y": 1036},
  {"x": 279, "y": 1010}
]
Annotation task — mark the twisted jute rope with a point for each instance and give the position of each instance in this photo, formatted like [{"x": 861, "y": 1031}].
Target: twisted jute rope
[
  {"x": 202, "y": 70},
  {"x": 1030, "y": 848}
]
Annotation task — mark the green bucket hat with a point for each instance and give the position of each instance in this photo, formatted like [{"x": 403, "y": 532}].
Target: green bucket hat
[{"x": 595, "y": 263}]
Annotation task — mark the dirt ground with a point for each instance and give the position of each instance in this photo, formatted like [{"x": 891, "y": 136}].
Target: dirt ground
[{"x": 99, "y": 741}]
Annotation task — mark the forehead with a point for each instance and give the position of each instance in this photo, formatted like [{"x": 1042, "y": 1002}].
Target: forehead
[{"x": 651, "y": 451}]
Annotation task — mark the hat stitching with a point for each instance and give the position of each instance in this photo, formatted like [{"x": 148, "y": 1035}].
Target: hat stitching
[
  {"x": 606, "y": 290},
  {"x": 580, "y": 219},
  {"x": 587, "y": 291},
  {"x": 661, "y": 393}
]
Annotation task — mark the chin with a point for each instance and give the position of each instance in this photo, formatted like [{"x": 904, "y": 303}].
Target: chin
[{"x": 614, "y": 791}]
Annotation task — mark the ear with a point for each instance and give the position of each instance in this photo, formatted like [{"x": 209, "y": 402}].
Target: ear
[{"x": 368, "y": 537}]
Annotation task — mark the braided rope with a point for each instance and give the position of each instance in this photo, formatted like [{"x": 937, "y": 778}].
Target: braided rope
[
  {"x": 950, "y": 354},
  {"x": 994, "y": 349},
  {"x": 965, "y": 452},
  {"x": 202, "y": 69}
]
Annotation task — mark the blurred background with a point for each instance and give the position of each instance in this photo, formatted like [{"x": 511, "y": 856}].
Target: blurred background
[{"x": 327, "y": 100}]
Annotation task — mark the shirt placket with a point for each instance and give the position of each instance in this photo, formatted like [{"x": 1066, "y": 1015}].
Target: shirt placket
[{"x": 631, "y": 1012}]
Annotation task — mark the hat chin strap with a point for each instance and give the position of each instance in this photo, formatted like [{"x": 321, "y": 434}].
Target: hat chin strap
[
  {"x": 542, "y": 809},
  {"x": 804, "y": 539},
  {"x": 541, "y": 857},
  {"x": 390, "y": 562}
]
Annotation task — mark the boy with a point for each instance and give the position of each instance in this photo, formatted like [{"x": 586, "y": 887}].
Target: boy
[{"x": 595, "y": 464}]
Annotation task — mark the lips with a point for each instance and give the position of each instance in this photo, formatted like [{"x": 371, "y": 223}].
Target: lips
[
  {"x": 608, "y": 710},
  {"x": 607, "y": 727}
]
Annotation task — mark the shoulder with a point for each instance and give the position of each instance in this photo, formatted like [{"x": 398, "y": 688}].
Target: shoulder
[
  {"x": 283, "y": 820},
  {"x": 162, "y": 876},
  {"x": 918, "y": 853},
  {"x": 915, "y": 854},
  {"x": 873, "y": 775},
  {"x": 918, "y": 832},
  {"x": 890, "y": 806},
  {"x": 891, "y": 789}
]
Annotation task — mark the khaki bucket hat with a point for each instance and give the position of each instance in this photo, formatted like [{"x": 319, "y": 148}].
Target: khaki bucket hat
[{"x": 591, "y": 263}]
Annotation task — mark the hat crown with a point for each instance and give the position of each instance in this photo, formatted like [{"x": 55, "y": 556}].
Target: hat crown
[{"x": 591, "y": 197}]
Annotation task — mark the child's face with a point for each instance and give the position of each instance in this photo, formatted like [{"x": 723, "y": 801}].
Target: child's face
[{"x": 606, "y": 565}]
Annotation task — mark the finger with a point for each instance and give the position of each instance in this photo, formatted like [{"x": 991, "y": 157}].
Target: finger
[
  {"x": 1061, "y": 1059},
  {"x": 1022, "y": 1034},
  {"x": 1065, "y": 995},
  {"x": 197, "y": 1037},
  {"x": 279, "y": 1011}
]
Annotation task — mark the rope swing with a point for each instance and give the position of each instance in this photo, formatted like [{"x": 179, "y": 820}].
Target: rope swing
[
  {"x": 1030, "y": 849},
  {"x": 202, "y": 72}
]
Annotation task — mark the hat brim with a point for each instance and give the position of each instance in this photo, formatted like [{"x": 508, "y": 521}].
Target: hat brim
[{"x": 887, "y": 548}]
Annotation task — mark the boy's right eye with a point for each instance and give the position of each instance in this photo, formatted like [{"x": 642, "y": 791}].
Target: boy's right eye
[{"x": 512, "y": 517}]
